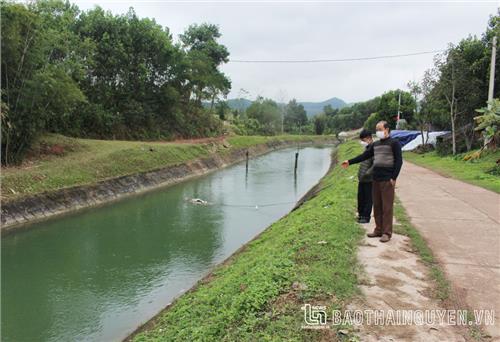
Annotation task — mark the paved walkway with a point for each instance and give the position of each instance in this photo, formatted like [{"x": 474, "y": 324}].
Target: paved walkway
[
  {"x": 395, "y": 278},
  {"x": 461, "y": 224}
]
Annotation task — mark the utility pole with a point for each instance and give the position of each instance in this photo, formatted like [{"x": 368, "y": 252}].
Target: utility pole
[
  {"x": 281, "y": 99},
  {"x": 492, "y": 71},
  {"x": 399, "y": 106},
  {"x": 282, "y": 117},
  {"x": 399, "y": 111}
]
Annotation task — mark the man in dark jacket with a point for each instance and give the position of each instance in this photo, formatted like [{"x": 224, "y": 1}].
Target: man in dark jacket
[
  {"x": 386, "y": 166},
  {"x": 365, "y": 181}
]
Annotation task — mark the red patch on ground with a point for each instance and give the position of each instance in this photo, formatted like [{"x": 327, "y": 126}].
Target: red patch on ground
[{"x": 56, "y": 149}]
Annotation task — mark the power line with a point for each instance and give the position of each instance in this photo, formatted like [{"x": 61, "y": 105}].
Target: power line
[{"x": 336, "y": 60}]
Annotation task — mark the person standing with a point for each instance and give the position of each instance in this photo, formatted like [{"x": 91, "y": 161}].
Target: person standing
[
  {"x": 365, "y": 181},
  {"x": 387, "y": 164}
]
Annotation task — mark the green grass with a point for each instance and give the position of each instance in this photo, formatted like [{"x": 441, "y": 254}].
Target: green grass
[
  {"x": 252, "y": 297},
  {"x": 480, "y": 172},
  {"x": 87, "y": 161}
]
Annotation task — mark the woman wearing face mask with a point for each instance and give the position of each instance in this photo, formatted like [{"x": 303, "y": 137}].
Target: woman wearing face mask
[
  {"x": 365, "y": 181},
  {"x": 386, "y": 166}
]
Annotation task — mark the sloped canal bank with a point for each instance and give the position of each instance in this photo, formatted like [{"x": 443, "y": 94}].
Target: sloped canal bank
[
  {"x": 98, "y": 274},
  {"x": 308, "y": 256},
  {"x": 79, "y": 180}
]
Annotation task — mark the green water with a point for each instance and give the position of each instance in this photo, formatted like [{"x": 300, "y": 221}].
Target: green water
[{"x": 98, "y": 274}]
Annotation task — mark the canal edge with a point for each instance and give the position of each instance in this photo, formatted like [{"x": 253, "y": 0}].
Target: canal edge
[
  {"x": 20, "y": 215},
  {"x": 206, "y": 278}
]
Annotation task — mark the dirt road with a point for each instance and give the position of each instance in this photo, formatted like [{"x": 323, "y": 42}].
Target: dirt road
[{"x": 461, "y": 224}]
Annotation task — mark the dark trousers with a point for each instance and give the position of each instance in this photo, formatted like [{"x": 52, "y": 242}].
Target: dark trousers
[
  {"x": 365, "y": 200},
  {"x": 383, "y": 204}
]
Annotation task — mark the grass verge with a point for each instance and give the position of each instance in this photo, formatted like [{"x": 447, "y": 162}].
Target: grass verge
[
  {"x": 58, "y": 161},
  {"x": 482, "y": 172},
  {"x": 309, "y": 256}
]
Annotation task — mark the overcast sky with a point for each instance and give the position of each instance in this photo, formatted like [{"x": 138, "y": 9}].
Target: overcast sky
[{"x": 321, "y": 30}]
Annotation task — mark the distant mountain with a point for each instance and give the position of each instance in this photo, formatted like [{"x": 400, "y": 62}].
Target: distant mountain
[
  {"x": 312, "y": 108},
  {"x": 241, "y": 104}
]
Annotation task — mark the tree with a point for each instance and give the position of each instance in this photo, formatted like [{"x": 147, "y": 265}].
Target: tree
[
  {"x": 137, "y": 73},
  {"x": 205, "y": 55},
  {"x": 351, "y": 117},
  {"x": 388, "y": 106},
  {"x": 40, "y": 61},
  {"x": 222, "y": 108},
  {"x": 416, "y": 89},
  {"x": 95, "y": 74},
  {"x": 462, "y": 84},
  {"x": 372, "y": 121},
  {"x": 458, "y": 84},
  {"x": 266, "y": 112},
  {"x": 329, "y": 111},
  {"x": 295, "y": 116},
  {"x": 320, "y": 121}
]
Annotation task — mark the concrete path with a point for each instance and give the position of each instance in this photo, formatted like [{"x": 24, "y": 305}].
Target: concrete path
[
  {"x": 461, "y": 224},
  {"x": 395, "y": 279}
]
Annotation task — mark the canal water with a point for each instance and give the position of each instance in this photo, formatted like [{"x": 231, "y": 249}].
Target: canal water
[{"x": 98, "y": 274}]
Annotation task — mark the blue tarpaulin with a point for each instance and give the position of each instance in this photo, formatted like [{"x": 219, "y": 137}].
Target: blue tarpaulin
[{"x": 404, "y": 137}]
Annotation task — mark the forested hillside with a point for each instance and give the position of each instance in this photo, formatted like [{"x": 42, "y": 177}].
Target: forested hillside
[{"x": 96, "y": 74}]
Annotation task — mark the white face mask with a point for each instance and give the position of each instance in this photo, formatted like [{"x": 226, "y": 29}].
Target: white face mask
[
  {"x": 380, "y": 134},
  {"x": 363, "y": 143}
]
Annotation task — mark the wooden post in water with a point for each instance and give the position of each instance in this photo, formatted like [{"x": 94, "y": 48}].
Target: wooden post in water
[
  {"x": 247, "y": 160},
  {"x": 296, "y": 161}
]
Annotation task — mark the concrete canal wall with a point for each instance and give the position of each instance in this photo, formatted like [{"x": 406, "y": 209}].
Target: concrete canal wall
[{"x": 18, "y": 214}]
